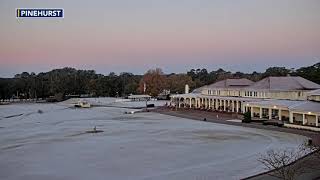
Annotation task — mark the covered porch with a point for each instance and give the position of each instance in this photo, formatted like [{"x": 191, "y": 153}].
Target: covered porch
[
  {"x": 205, "y": 102},
  {"x": 302, "y": 113}
]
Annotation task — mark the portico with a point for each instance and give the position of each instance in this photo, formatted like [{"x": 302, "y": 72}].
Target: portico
[
  {"x": 215, "y": 103},
  {"x": 273, "y": 98}
]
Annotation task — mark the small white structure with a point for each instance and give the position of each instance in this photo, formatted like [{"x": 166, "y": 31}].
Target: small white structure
[
  {"x": 141, "y": 97},
  {"x": 83, "y": 104}
]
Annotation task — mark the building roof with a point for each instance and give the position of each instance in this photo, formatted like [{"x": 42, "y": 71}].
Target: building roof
[
  {"x": 285, "y": 83},
  {"x": 231, "y": 83},
  {"x": 314, "y": 93},
  {"x": 198, "y": 90},
  {"x": 307, "y": 106},
  {"x": 303, "y": 106},
  {"x": 275, "y": 102}
]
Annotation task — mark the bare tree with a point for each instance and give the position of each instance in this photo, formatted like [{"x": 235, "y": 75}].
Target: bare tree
[
  {"x": 154, "y": 81},
  {"x": 282, "y": 161}
]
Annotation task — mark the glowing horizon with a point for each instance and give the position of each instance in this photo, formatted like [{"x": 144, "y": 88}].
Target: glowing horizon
[{"x": 173, "y": 35}]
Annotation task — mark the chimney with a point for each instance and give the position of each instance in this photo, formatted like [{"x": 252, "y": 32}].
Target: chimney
[{"x": 186, "y": 89}]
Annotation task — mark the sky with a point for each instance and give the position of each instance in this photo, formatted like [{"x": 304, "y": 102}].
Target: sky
[{"x": 175, "y": 35}]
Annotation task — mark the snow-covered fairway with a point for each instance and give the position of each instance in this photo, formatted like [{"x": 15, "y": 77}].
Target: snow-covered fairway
[{"x": 54, "y": 145}]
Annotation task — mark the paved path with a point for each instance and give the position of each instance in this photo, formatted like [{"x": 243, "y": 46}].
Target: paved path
[{"x": 223, "y": 117}]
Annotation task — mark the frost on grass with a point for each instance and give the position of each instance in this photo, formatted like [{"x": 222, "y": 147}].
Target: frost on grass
[{"x": 54, "y": 145}]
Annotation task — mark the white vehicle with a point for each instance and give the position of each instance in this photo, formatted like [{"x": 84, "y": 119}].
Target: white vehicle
[
  {"x": 129, "y": 112},
  {"x": 83, "y": 104}
]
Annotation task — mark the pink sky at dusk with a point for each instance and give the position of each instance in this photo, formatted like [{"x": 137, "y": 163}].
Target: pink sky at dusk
[{"x": 173, "y": 35}]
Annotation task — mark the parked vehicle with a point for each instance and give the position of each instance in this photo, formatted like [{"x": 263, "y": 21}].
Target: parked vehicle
[
  {"x": 273, "y": 122},
  {"x": 83, "y": 104}
]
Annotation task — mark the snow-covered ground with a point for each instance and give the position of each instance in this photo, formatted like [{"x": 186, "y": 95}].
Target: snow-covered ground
[
  {"x": 53, "y": 144},
  {"x": 116, "y": 102}
]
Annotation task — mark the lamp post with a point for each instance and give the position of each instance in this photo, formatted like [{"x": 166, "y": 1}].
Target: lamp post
[{"x": 144, "y": 92}]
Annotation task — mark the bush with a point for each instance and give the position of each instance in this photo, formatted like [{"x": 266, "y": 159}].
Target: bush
[{"x": 247, "y": 117}]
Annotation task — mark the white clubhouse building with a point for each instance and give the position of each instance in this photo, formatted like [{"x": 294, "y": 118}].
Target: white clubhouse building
[{"x": 294, "y": 100}]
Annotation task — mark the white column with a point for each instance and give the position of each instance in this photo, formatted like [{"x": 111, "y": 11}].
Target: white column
[
  {"x": 251, "y": 111},
  {"x": 243, "y": 107},
  {"x": 279, "y": 114},
  {"x": 232, "y": 105},
  {"x": 179, "y": 102},
  {"x": 213, "y": 105},
  {"x": 224, "y": 105},
  {"x": 201, "y": 102},
  {"x": 190, "y": 103},
  {"x": 196, "y": 102},
  {"x": 304, "y": 119},
  {"x": 317, "y": 122},
  {"x": 270, "y": 113},
  {"x": 260, "y": 113},
  {"x": 290, "y": 117},
  {"x": 205, "y": 103}
]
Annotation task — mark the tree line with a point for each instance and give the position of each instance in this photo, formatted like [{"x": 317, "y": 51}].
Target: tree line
[{"x": 73, "y": 82}]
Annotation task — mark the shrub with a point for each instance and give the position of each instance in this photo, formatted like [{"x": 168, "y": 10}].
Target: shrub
[{"x": 247, "y": 117}]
